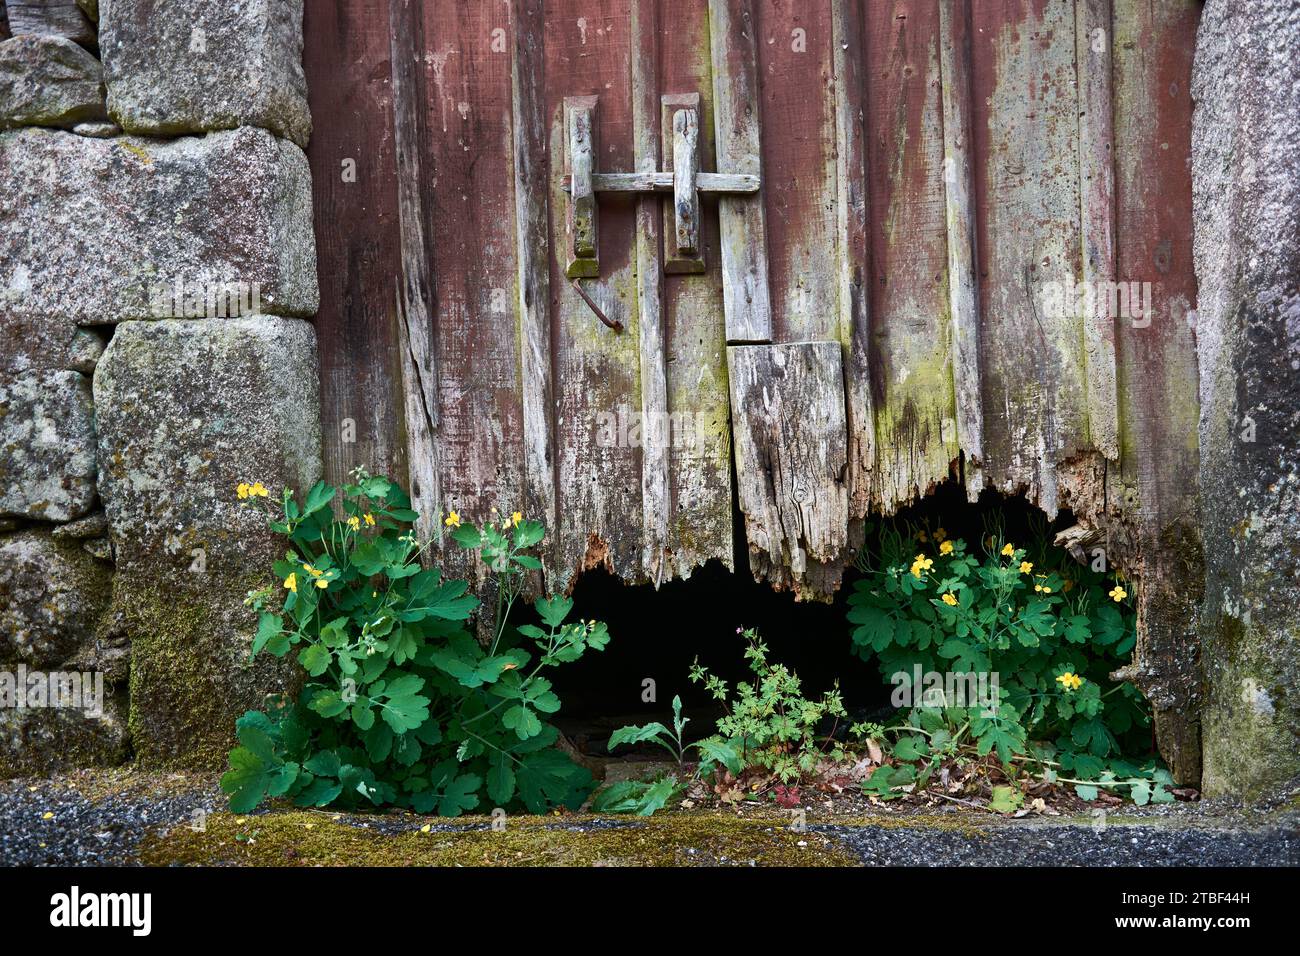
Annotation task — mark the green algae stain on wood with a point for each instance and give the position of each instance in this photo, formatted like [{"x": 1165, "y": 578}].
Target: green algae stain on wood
[
  {"x": 1026, "y": 136},
  {"x": 911, "y": 353}
]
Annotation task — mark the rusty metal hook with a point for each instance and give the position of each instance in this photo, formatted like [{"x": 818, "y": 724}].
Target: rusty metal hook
[{"x": 614, "y": 324}]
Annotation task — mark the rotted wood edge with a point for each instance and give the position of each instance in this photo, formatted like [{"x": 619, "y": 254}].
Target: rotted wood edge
[{"x": 791, "y": 455}]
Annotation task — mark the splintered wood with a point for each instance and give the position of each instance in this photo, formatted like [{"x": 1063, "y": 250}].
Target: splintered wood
[{"x": 787, "y": 414}]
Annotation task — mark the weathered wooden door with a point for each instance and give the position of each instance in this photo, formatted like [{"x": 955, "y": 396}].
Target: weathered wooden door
[
  {"x": 926, "y": 169},
  {"x": 877, "y": 318},
  {"x": 930, "y": 172}
]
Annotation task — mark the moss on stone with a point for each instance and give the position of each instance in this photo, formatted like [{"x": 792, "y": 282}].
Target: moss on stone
[
  {"x": 190, "y": 678},
  {"x": 310, "y": 838}
]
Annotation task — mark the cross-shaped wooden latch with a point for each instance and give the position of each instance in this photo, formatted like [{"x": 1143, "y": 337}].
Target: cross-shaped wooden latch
[{"x": 682, "y": 251}]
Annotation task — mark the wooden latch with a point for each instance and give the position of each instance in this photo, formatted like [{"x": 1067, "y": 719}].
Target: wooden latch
[{"x": 681, "y": 114}]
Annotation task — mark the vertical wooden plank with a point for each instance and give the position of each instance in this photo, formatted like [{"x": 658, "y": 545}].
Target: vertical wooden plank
[
  {"x": 415, "y": 281},
  {"x": 1156, "y": 361},
  {"x": 469, "y": 116},
  {"x": 532, "y": 255},
  {"x": 597, "y": 370},
  {"x": 788, "y": 418},
  {"x": 732, "y": 34},
  {"x": 1026, "y": 130},
  {"x": 700, "y": 525},
  {"x": 954, "y": 59},
  {"x": 1097, "y": 218},
  {"x": 911, "y": 343},
  {"x": 675, "y": 262},
  {"x": 848, "y": 46},
  {"x": 656, "y": 504},
  {"x": 799, "y": 167},
  {"x": 354, "y": 203}
]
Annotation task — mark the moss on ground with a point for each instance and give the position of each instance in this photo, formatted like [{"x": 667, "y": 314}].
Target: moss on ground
[{"x": 309, "y": 838}]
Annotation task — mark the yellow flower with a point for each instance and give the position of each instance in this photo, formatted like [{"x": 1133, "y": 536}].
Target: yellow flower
[
  {"x": 1025, "y": 567},
  {"x": 922, "y": 563},
  {"x": 370, "y": 519},
  {"x": 354, "y": 523},
  {"x": 921, "y": 536},
  {"x": 1069, "y": 585},
  {"x": 257, "y": 490},
  {"x": 312, "y": 571},
  {"x": 516, "y": 517},
  {"x": 1070, "y": 681},
  {"x": 1008, "y": 550},
  {"x": 940, "y": 534},
  {"x": 453, "y": 520},
  {"x": 950, "y": 600},
  {"x": 322, "y": 583},
  {"x": 47, "y": 815},
  {"x": 242, "y": 489},
  {"x": 291, "y": 582},
  {"x": 1118, "y": 593},
  {"x": 945, "y": 548}
]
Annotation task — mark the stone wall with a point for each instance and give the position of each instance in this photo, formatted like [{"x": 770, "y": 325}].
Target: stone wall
[
  {"x": 156, "y": 264},
  {"x": 1246, "y": 177}
]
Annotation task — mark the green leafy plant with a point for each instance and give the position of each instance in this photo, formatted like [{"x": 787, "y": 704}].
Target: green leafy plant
[
  {"x": 644, "y": 797},
  {"x": 1051, "y": 630},
  {"x": 402, "y": 706},
  {"x": 711, "y": 749},
  {"x": 769, "y": 721}
]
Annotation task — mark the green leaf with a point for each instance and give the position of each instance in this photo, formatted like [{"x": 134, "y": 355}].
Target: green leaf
[
  {"x": 320, "y": 792},
  {"x": 636, "y": 735},
  {"x": 256, "y": 771},
  {"x": 549, "y": 778},
  {"x": 876, "y": 630},
  {"x": 1093, "y": 735},
  {"x": 461, "y": 795},
  {"x": 318, "y": 497},
  {"x": 522, "y": 721},
  {"x": 529, "y": 533},
  {"x": 910, "y": 748},
  {"x": 328, "y": 703},
  {"x": 467, "y": 536},
  {"x": 500, "y": 779},
  {"x": 405, "y": 708},
  {"x": 554, "y": 610},
  {"x": 447, "y": 601},
  {"x": 315, "y": 658},
  {"x": 717, "y": 750},
  {"x": 270, "y": 635},
  {"x": 323, "y": 764}
]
